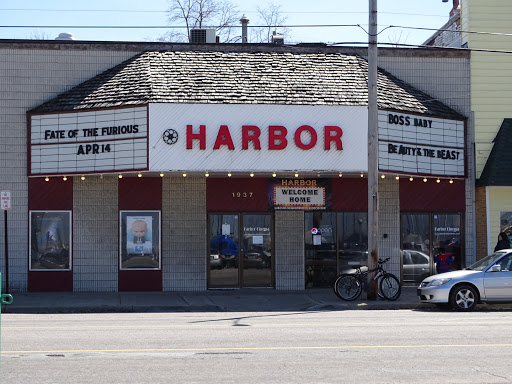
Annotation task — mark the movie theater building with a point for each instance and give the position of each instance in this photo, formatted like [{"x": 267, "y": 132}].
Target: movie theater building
[{"x": 157, "y": 167}]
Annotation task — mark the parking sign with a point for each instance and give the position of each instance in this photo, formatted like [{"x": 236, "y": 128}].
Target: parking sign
[{"x": 5, "y": 200}]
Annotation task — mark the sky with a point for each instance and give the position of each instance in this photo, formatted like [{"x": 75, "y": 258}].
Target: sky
[{"x": 313, "y": 17}]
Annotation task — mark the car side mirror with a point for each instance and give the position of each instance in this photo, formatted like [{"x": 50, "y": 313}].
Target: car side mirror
[{"x": 495, "y": 268}]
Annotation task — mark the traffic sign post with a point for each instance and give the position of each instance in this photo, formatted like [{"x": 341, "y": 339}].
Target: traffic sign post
[
  {"x": 5, "y": 200},
  {"x": 5, "y": 204}
]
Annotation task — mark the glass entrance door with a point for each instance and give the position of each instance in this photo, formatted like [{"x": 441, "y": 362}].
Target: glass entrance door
[
  {"x": 257, "y": 251},
  {"x": 240, "y": 250}
]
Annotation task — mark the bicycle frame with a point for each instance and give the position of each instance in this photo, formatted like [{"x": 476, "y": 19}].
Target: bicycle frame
[{"x": 390, "y": 282}]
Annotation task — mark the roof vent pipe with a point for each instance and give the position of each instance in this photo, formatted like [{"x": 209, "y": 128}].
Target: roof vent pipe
[{"x": 244, "y": 21}]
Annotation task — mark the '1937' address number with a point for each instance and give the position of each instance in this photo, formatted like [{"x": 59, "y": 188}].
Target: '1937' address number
[{"x": 241, "y": 195}]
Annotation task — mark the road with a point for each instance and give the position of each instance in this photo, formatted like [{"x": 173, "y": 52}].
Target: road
[{"x": 385, "y": 346}]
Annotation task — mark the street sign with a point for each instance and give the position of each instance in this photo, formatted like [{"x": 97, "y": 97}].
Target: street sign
[{"x": 5, "y": 200}]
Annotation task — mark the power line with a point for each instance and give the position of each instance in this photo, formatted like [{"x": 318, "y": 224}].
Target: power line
[
  {"x": 151, "y": 11},
  {"x": 256, "y": 26},
  {"x": 175, "y": 26}
]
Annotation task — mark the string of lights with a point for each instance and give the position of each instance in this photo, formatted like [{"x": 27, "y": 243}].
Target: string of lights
[{"x": 296, "y": 174}]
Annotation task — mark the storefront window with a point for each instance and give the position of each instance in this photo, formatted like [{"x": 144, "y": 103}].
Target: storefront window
[
  {"x": 320, "y": 244},
  {"x": 506, "y": 224},
  {"x": 353, "y": 239},
  {"x": 426, "y": 237},
  {"x": 415, "y": 253},
  {"x": 139, "y": 240},
  {"x": 333, "y": 242},
  {"x": 50, "y": 240},
  {"x": 447, "y": 238}
]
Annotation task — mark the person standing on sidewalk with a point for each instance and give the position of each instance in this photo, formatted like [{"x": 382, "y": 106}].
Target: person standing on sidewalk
[{"x": 503, "y": 242}]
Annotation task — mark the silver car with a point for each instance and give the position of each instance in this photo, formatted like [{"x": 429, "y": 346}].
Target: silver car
[
  {"x": 489, "y": 280},
  {"x": 416, "y": 266}
]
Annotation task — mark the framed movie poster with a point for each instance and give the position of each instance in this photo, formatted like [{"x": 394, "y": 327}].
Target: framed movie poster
[
  {"x": 50, "y": 240},
  {"x": 139, "y": 240}
]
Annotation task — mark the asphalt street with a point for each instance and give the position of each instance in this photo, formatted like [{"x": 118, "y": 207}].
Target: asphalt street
[{"x": 310, "y": 346}]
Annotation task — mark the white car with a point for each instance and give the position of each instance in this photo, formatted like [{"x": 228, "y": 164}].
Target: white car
[{"x": 489, "y": 280}]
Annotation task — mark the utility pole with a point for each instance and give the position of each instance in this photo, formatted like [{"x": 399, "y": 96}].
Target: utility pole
[{"x": 373, "y": 146}]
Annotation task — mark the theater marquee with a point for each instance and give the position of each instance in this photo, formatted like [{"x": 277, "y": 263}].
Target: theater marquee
[
  {"x": 92, "y": 141},
  {"x": 418, "y": 144}
]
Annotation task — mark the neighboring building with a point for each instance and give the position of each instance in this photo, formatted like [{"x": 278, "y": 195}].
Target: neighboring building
[
  {"x": 176, "y": 167},
  {"x": 491, "y": 103}
]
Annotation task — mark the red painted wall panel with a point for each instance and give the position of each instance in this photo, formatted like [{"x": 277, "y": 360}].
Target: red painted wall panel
[
  {"x": 349, "y": 194},
  {"x": 237, "y": 195},
  {"x": 140, "y": 194},
  {"x": 53, "y": 195},
  {"x": 417, "y": 196},
  {"x": 140, "y": 281},
  {"x": 50, "y": 281}
]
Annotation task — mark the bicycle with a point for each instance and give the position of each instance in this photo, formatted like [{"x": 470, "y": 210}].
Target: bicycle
[{"x": 349, "y": 286}]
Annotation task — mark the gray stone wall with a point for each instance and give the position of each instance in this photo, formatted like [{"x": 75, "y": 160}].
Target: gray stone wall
[
  {"x": 95, "y": 255},
  {"x": 289, "y": 250},
  {"x": 29, "y": 75},
  {"x": 184, "y": 238},
  {"x": 389, "y": 224}
]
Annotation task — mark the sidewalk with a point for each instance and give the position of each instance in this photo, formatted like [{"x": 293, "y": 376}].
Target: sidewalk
[{"x": 239, "y": 300}]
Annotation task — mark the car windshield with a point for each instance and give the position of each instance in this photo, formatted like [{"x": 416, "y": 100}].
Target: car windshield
[{"x": 482, "y": 264}]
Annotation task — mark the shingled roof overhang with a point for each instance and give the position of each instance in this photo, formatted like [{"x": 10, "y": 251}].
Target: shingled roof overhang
[
  {"x": 243, "y": 78},
  {"x": 498, "y": 168}
]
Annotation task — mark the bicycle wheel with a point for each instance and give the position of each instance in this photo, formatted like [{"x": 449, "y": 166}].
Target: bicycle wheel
[
  {"x": 390, "y": 287},
  {"x": 347, "y": 287}
]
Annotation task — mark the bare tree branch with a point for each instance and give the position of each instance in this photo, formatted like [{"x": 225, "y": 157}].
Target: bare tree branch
[
  {"x": 271, "y": 16},
  {"x": 218, "y": 14}
]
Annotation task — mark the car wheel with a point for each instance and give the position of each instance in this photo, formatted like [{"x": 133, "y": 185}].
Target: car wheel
[{"x": 463, "y": 298}]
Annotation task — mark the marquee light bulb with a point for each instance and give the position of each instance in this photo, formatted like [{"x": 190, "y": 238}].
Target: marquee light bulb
[
  {"x": 82, "y": 178},
  {"x": 274, "y": 174},
  {"x": 229, "y": 174},
  {"x": 411, "y": 179},
  {"x": 139, "y": 175},
  {"x": 252, "y": 174},
  {"x": 296, "y": 174},
  {"x": 120, "y": 176},
  {"x": 397, "y": 177},
  {"x": 206, "y": 174},
  {"x": 438, "y": 181},
  {"x": 382, "y": 176},
  {"x": 424, "y": 179},
  {"x": 451, "y": 181},
  {"x": 362, "y": 174},
  {"x": 161, "y": 174},
  {"x": 46, "y": 178},
  {"x": 340, "y": 174},
  {"x": 184, "y": 174},
  {"x": 65, "y": 178}
]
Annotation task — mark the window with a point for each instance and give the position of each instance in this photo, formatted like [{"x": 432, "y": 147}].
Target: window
[
  {"x": 424, "y": 236},
  {"x": 333, "y": 242}
]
